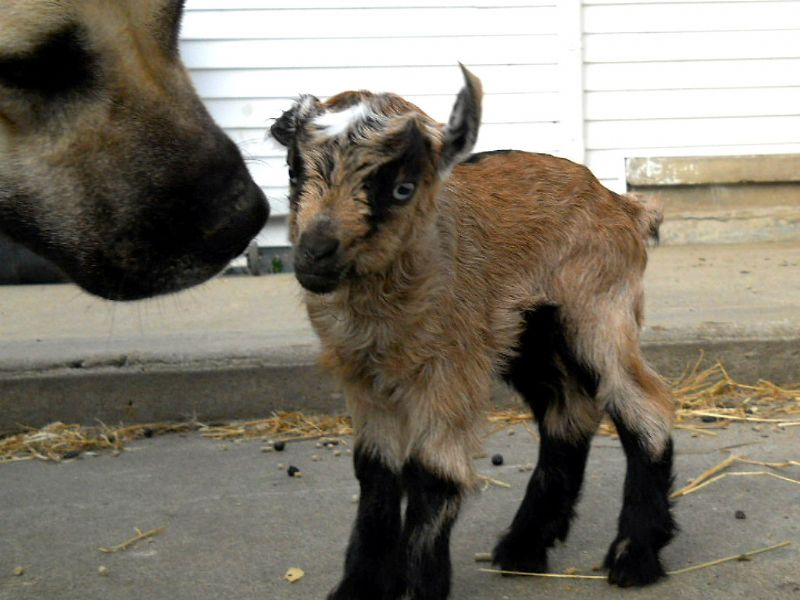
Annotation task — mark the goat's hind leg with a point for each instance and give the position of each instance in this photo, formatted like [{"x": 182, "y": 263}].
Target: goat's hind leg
[
  {"x": 641, "y": 408},
  {"x": 560, "y": 392},
  {"x": 371, "y": 562}
]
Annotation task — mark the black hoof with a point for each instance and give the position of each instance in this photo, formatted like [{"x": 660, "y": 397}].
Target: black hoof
[
  {"x": 353, "y": 589},
  {"x": 511, "y": 555},
  {"x": 631, "y": 564}
]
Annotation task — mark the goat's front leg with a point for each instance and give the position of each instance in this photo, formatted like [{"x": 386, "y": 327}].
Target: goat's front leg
[
  {"x": 433, "y": 505},
  {"x": 372, "y": 554}
]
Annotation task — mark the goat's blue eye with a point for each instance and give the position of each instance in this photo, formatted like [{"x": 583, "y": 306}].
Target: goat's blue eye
[{"x": 403, "y": 191}]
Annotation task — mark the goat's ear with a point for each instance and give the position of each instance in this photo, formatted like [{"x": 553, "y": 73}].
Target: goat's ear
[
  {"x": 285, "y": 128},
  {"x": 465, "y": 121}
]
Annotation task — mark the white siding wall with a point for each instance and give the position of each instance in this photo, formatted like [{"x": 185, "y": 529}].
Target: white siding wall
[
  {"x": 678, "y": 78},
  {"x": 597, "y": 81},
  {"x": 249, "y": 59}
]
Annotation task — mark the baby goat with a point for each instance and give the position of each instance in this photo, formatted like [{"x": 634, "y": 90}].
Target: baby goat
[{"x": 427, "y": 271}]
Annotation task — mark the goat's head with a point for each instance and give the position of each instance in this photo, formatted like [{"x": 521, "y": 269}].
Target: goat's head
[{"x": 364, "y": 172}]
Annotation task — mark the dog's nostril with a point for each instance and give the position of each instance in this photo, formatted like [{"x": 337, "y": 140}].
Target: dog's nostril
[
  {"x": 319, "y": 247},
  {"x": 231, "y": 236}
]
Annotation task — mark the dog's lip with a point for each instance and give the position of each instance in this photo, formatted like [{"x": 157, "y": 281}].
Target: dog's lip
[
  {"x": 318, "y": 282},
  {"x": 114, "y": 278},
  {"x": 123, "y": 287}
]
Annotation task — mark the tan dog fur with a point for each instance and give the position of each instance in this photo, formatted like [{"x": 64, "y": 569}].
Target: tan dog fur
[{"x": 97, "y": 177}]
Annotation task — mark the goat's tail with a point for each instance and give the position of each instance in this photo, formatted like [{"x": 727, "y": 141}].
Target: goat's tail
[{"x": 650, "y": 215}]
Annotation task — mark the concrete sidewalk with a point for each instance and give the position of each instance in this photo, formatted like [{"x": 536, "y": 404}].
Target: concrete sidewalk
[
  {"x": 234, "y": 523},
  {"x": 241, "y": 347}
]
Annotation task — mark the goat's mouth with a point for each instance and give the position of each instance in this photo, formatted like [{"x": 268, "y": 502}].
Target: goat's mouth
[{"x": 318, "y": 282}]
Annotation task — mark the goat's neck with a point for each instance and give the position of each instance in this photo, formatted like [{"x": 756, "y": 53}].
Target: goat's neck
[{"x": 408, "y": 287}]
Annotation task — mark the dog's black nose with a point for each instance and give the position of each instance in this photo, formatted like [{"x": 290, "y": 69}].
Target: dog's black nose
[
  {"x": 216, "y": 208},
  {"x": 230, "y": 235},
  {"x": 318, "y": 245}
]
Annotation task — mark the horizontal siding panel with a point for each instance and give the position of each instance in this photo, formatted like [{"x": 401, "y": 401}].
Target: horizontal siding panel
[
  {"x": 247, "y": 112},
  {"x": 365, "y": 23},
  {"x": 274, "y": 234},
  {"x": 278, "y": 198},
  {"x": 664, "y": 104},
  {"x": 688, "y": 75},
  {"x": 256, "y": 146},
  {"x": 688, "y": 78},
  {"x": 269, "y": 173},
  {"x": 257, "y": 54},
  {"x": 638, "y": 47},
  {"x": 531, "y": 137},
  {"x": 606, "y": 164},
  {"x": 701, "y": 16},
  {"x": 615, "y": 185},
  {"x": 692, "y": 132},
  {"x": 197, "y": 5},
  {"x": 497, "y": 108},
  {"x": 282, "y": 83}
]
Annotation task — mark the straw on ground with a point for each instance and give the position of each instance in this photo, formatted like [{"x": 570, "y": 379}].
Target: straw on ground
[
  {"x": 746, "y": 556},
  {"x": 706, "y": 399},
  {"x": 712, "y": 475},
  {"x": 140, "y": 535}
]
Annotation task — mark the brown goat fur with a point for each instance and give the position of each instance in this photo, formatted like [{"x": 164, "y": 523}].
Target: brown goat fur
[{"x": 419, "y": 303}]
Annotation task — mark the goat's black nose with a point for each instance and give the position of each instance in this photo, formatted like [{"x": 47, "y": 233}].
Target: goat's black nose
[{"x": 317, "y": 245}]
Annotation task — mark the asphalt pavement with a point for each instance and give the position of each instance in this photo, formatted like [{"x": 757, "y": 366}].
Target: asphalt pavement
[{"x": 234, "y": 522}]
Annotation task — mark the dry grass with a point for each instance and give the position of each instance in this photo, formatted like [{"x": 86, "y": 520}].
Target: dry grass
[
  {"x": 284, "y": 426},
  {"x": 744, "y": 557},
  {"x": 708, "y": 399},
  {"x": 57, "y": 441},
  {"x": 140, "y": 535},
  {"x": 716, "y": 473},
  {"x": 714, "y": 393},
  {"x": 711, "y": 393}
]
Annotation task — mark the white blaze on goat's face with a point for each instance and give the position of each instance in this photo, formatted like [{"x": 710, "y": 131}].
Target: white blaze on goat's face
[
  {"x": 334, "y": 123},
  {"x": 364, "y": 171}
]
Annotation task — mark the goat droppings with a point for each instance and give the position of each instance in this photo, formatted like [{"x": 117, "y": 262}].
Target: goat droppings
[{"x": 497, "y": 460}]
